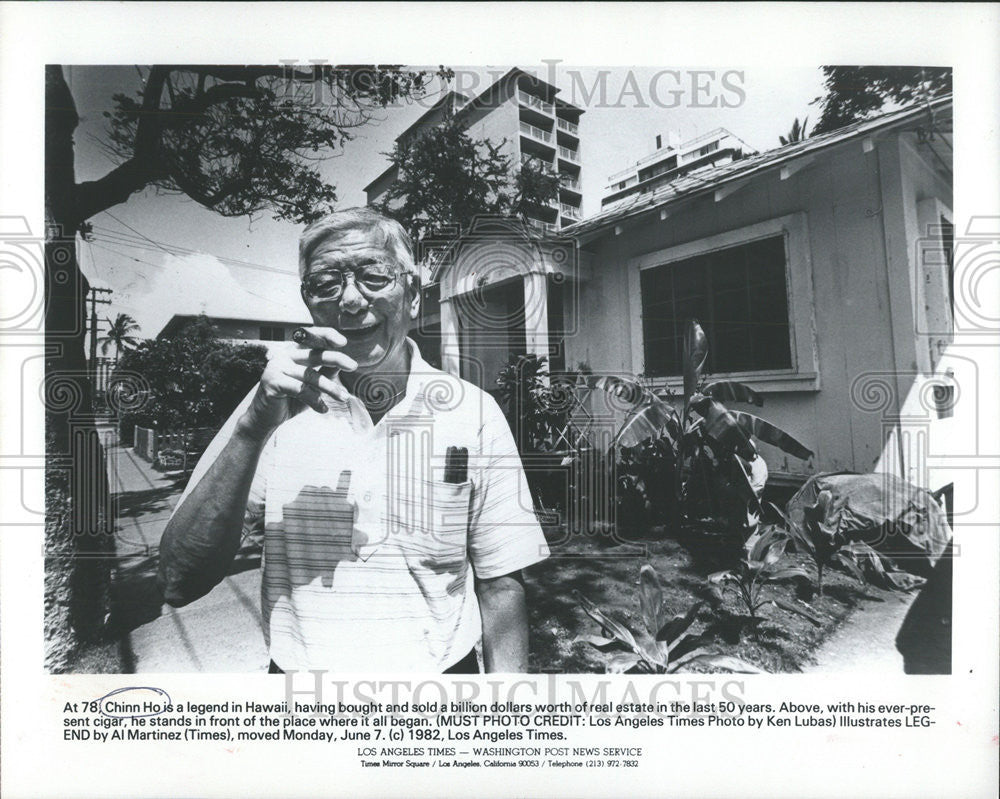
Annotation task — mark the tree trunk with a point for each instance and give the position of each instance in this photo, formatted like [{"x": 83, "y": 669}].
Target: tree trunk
[{"x": 79, "y": 544}]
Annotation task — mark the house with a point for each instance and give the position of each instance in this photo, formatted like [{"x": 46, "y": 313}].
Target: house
[
  {"x": 524, "y": 115},
  {"x": 821, "y": 272},
  {"x": 240, "y": 330}
]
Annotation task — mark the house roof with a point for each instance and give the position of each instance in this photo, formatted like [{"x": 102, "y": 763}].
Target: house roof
[
  {"x": 747, "y": 168},
  {"x": 179, "y": 319}
]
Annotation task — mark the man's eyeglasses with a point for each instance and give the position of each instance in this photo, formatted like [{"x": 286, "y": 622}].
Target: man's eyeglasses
[{"x": 330, "y": 283}]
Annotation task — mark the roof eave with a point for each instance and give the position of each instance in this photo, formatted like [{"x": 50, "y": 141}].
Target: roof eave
[{"x": 588, "y": 230}]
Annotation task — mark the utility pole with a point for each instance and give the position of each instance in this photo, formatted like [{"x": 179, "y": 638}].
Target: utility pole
[{"x": 94, "y": 302}]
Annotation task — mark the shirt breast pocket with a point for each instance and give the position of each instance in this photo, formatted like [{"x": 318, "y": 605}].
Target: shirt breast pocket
[{"x": 449, "y": 516}]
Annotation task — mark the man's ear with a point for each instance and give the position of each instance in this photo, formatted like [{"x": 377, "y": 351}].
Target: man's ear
[{"x": 414, "y": 284}]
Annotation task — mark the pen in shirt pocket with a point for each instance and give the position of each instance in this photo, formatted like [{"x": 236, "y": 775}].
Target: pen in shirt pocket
[{"x": 456, "y": 465}]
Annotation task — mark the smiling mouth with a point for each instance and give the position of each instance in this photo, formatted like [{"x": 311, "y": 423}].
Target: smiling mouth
[{"x": 354, "y": 333}]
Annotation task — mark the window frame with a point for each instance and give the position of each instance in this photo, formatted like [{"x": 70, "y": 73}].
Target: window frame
[
  {"x": 930, "y": 214},
  {"x": 803, "y": 375}
]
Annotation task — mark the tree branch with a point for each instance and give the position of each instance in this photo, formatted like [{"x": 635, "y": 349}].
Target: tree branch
[
  {"x": 115, "y": 187},
  {"x": 138, "y": 171}
]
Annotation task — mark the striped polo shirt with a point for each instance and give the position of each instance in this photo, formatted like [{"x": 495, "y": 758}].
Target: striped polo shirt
[{"x": 369, "y": 554}]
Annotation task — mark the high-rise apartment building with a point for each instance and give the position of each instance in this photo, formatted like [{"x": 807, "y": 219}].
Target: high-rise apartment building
[
  {"x": 525, "y": 113},
  {"x": 673, "y": 160}
]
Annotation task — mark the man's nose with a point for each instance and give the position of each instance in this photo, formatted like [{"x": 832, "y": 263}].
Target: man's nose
[{"x": 352, "y": 299}]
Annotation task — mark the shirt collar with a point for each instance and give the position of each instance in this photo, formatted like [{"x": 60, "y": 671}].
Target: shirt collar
[{"x": 420, "y": 373}]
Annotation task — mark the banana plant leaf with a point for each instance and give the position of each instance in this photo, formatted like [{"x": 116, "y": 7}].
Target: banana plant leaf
[
  {"x": 649, "y": 422},
  {"x": 719, "y": 662},
  {"x": 798, "y": 610},
  {"x": 721, "y": 426},
  {"x": 740, "y": 480},
  {"x": 600, "y": 643},
  {"x": 618, "y": 630},
  {"x": 695, "y": 355},
  {"x": 610, "y": 411},
  {"x": 679, "y": 624},
  {"x": 622, "y": 662},
  {"x": 769, "y": 434},
  {"x": 650, "y": 599},
  {"x": 768, "y": 547},
  {"x": 731, "y": 391}
]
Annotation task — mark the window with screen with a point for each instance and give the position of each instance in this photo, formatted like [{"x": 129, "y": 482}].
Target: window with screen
[{"x": 738, "y": 295}]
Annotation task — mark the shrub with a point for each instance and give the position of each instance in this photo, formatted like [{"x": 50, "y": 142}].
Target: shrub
[
  {"x": 699, "y": 459},
  {"x": 762, "y": 563},
  {"x": 664, "y": 646},
  {"x": 194, "y": 379}
]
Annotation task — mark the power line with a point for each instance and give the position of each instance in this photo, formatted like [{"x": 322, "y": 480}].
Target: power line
[
  {"x": 124, "y": 224},
  {"x": 160, "y": 266},
  {"x": 126, "y": 255},
  {"x": 93, "y": 260},
  {"x": 174, "y": 249},
  {"x": 133, "y": 243}
]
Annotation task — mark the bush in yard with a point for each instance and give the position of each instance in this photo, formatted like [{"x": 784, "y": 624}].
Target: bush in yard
[
  {"x": 664, "y": 645},
  {"x": 702, "y": 460},
  {"x": 822, "y": 540},
  {"x": 525, "y": 399},
  {"x": 763, "y": 562},
  {"x": 195, "y": 380}
]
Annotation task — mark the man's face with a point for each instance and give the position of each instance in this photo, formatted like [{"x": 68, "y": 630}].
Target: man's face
[{"x": 375, "y": 322}]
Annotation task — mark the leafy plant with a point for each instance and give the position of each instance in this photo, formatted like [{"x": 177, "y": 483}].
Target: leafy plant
[
  {"x": 854, "y": 93},
  {"x": 796, "y": 133},
  {"x": 194, "y": 379},
  {"x": 821, "y": 538},
  {"x": 763, "y": 563},
  {"x": 524, "y": 397},
  {"x": 445, "y": 179},
  {"x": 120, "y": 334},
  {"x": 710, "y": 459},
  {"x": 664, "y": 645}
]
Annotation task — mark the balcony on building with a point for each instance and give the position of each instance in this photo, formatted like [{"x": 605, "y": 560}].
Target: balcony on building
[
  {"x": 569, "y": 155},
  {"x": 567, "y": 124},
  {"x": 571, "y": 212},
  {"x": 536, "y": 141},
  {"x": 543, "y": 227},
  {"x": 534, "y": 110},
  {"x": 668, "y": 163},
  {"x": 567, "y": 133},
  {"x": 537, "y": 161},
  {"x": 570, "y": 189}
]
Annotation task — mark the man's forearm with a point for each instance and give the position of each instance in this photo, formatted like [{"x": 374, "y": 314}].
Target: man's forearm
[
  {"x": 203, "y": 536},
  {"x": 505, "y": 623}
]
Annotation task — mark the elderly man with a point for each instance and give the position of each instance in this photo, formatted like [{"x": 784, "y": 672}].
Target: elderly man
[{"x": 393, "y": 504}]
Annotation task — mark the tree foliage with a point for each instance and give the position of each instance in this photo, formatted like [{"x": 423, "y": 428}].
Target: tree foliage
[
  {"x": 445, "y": 179},
  {"x": 798, "y": 132},
  {"x": 193, "y": 378},
  {"x": 120, "y": 334},
  {"x": 239, "y": 140},
  {"x": 855, "y": 93}
]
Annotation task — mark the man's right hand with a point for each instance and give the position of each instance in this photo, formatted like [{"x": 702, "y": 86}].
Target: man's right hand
[{"x": 296, "y": 376}]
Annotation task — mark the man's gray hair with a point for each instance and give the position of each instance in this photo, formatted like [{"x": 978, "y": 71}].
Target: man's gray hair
[{"x": 386, "y": 232}]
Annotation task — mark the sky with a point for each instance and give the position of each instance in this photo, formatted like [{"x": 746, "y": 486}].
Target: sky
[{"x": 163, "y": 255}]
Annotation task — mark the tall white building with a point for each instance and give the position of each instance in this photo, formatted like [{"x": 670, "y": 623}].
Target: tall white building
[
  {"x": 524, "y": 113},
  {"x": 673, "y": 160}
]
